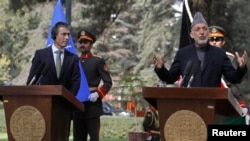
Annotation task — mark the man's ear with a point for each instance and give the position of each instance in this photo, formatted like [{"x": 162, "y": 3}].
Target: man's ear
[
  {"x": 191, "y": 35},
  {"x": 224, "y": 42}
]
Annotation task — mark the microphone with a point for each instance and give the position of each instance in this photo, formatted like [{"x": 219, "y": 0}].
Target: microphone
[
  {"x": 186, "y": 71},
  {"x": 194, "y": 70},
  {"x": 43, "y": 73},
  {"x": 36, "y": 74}
]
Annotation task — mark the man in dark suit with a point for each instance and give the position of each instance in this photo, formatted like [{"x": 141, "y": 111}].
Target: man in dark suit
[
  {"x": 209, "y": 63},
  {"x": 45, "y": 60},
  {"x": 87, "y": 123}
]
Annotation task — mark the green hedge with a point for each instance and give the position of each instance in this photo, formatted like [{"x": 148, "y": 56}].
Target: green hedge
[
  {"x": 113, "y": 128},
  {"x": 2, "y": 121},
  {"x": 118, "y": 126}
]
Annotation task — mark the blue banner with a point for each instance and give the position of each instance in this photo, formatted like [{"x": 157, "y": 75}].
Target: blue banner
[{"x": 59, "y": 16}]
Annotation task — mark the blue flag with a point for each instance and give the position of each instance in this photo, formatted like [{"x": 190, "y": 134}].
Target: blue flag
[{"x": 59, "y": 16}]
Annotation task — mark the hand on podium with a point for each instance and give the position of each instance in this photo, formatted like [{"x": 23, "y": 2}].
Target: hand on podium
[
  {"x": 149, "y": 138},
  {"x": 244, "y": 111},
  {"x": 243, "y": 107}
]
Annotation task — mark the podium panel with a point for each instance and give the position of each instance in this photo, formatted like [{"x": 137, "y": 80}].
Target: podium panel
[
  {"x": 184, "y": 110},
  {"x": 38, "y": 113}
]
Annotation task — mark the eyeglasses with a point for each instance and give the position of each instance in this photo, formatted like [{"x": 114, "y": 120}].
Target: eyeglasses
[
  {"x": 216, "y": 39},
  {"x": 84, "y": 41}
]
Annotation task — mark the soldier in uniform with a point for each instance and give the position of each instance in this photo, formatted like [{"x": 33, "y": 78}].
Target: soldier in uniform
[
  {"x": 87, "y": 123},
  {"x": 151, "y": 124},
  {"x": 216, "y": 38}
]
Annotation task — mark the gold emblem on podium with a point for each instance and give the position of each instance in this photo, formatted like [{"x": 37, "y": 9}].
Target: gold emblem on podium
[
  {"x": 185, "y": 125},
  {"x": 27, "y": 124}
]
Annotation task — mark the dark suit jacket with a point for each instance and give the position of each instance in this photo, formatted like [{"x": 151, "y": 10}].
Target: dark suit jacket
[
  {"x": 70, "y": 73},
  {"x": 216, "y": 64}
]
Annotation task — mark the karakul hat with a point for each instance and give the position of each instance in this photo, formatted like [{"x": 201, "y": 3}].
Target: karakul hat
[{"x": 198, "y": 18}]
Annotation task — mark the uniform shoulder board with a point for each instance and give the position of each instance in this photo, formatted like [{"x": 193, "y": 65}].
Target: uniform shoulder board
[{"x": 97, "y": 56}]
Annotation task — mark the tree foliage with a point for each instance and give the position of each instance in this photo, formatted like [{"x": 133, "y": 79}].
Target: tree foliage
[
  {"x": 233, "y": 17},
  {"x": 13, "y": 38},
  {"x": 102, "y": 13}
]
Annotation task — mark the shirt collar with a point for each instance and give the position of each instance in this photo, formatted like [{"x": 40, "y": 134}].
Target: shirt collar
[
  {"x": 54, "y": 49},
  {"x": 85, "y": 56}
]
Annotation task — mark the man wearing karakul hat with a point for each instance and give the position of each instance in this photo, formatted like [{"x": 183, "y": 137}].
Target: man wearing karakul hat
[
  {"x": 198, "y": 18},
  {"x": 208, "y": 63}
]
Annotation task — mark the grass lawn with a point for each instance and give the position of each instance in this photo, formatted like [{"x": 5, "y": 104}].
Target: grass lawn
[
  {"x": 3, "y": 137},
  {"x": 113, "y": 128}
]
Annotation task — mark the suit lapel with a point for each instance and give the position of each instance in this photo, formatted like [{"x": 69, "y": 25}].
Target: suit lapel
[
  {"x": 66, "y": 61},
  {"x": 208, "y": 57},
  {"x": 50, "y": 59}
]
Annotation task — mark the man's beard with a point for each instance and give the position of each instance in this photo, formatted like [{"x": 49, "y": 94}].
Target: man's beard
[
  {"x": 202, "y": 43},
  {"x": 84, "y": 50}
]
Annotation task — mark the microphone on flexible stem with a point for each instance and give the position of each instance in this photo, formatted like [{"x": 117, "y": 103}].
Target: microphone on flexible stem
[
  {"x": 36, "y": 75},
  {"x": 43, "y": 73},
  {"x": 186, "y": 72},
  {"x": 194, "y": 70}
]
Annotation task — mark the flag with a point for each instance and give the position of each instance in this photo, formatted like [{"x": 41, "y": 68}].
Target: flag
[
  {"x": 185, "y": 38},
  {"x": 59, "y": 16}
]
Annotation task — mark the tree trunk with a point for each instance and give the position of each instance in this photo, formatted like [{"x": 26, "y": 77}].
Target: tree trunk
[{"x": 202, "y": 6}]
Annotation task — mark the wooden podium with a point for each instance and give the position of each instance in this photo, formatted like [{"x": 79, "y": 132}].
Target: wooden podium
[
  {"x": 190, "y": 108},
  {"x": 38, "y": 113}
]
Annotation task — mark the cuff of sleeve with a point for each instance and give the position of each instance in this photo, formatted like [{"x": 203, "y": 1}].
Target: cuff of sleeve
[
  {"x": 102, "y": 92},
  {"x": 160, "y": 69},
  {"x": 242, "y": 104}
]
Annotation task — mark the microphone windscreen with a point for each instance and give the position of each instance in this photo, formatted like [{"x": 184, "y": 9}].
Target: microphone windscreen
[
  {"x": 37, "y": 73},
  {"x": 188, "y": 67},
  {"x": 46, "y": 69},
  {"x": 196, "y": 67},
  {"x": 39, "y": 69}
]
